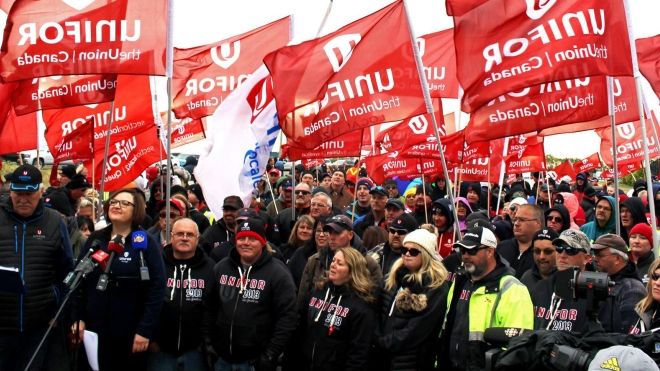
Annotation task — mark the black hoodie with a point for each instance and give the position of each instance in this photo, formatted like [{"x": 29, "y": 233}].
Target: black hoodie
[
  {"x": 258, "y": 318},
  {"x": 618, "y": 314},
  {"x": 636, "y": 207},
  {"x": 565, "y": 215},
  {"x": 189, "y": 282}
]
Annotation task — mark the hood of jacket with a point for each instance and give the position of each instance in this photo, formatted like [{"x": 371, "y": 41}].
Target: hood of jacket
[
  {"x": 565, "y": 215},
  {"x": 445, "y": 205},
  {"x": 610, "y": 223}
]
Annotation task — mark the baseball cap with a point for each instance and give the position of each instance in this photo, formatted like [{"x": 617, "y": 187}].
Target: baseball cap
[
  {"x": 175, "y": 204},
  {"x": 394, "y": 202},
  {"x": 611, "y": 241},
  {"x": 285, "y": 183},
  {"x": 275, "y": 171},
  {"x": 251, "y": 228},
  {"x": 78, "y": 181},
  {"x": 404, "y": 222},
  {"x": 339, "y": 223},
  {"x": 68, "y": 170},
  {"x": 26, "y": 178},
  {"x": 622, "y": 357},
  {"x": 244, "y": 214},
  {"x": 475, "y": 237},
  {"x": 545, "y": 234},
  {"x": 379, "y": 190},
  {"x": 573, "y": 238},
  {"x": 232, "y": 202}
]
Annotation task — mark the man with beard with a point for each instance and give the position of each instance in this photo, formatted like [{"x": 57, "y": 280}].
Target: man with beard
[
  {"x": 423, "y": 202},
  {"x": 284, "y": 189},
  {"x": 339, "y": 193},
  {"x": 362, "y": 204},
  {"x": 486, "y": 296},
  {"x": 225, "y": 228},
  {"x": 385, "y": 254},
  {"x": 288, "y": 217},
  {"x": 603, "y": 220},
  {"x": 545, "y": 258},
  {"x": 376, "y": 215}
]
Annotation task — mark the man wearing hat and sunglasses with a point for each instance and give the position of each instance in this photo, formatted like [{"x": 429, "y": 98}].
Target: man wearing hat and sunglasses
[
  {"x": 35, "y": 243},
  {"x": 487, "y": 295},
  {"x": 385, "y": 254}
]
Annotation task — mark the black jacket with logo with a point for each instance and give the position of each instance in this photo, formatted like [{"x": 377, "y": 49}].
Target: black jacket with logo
[
  {"x": 257, "y": 318},
  {"x": 340, "y": 326},
  {"x": 189, "y": 282}
]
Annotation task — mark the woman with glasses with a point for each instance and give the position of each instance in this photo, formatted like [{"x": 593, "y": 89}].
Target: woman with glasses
[
  {"x": 648, "y": 309},
  {"x": 339, "y": 314},
  {"x": 412, "y": 305},
  {"x": 301, "y": 234},
  {"x": 119, "y": 304}
]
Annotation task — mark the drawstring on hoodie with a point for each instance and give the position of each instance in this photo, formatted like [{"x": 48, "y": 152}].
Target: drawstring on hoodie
[
  {"x": 331, "y": 329},
  {"x": 334, "y": 316},
  {"x": 183, "y": 268},
  {"x": 244, "y": 280},
  {"x": 554, "y": 309},
  {"x": 327, "y": 292}
]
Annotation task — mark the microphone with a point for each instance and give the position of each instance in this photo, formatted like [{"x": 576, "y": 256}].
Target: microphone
[
  {"x": 139, "y": 243},
  {"x": 115, "y": 246},
  {"x": 500, "y": 336},
  {"x": 85, "y": 265}
]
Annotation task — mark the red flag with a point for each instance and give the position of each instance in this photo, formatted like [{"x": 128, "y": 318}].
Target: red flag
[
  {"x": 459, "y": 7},
  {"x": 381, "y": 167},
  {"x": 76, "y": 145},
  {"x": 18, "y": 133},
  {"x": 550, "y": 106},
  {"x": 184, "y": 131},
  {"x": 63, "y": 91},
  {"x": 347, "y": 145},
  {"x": 205, "y": 75},
  {"x": 589, "y": 163},
  {"x": 624, "y": 170},
  {"x": 505, "y": 45},
  {"x": 525, "y": 154},
  {"x": 55, "y": 37},
  {"x": 410, "y": 132},
  {"x": 312, "y": 163},
  {"x": 563, "y": 169},
  {"x": 347, "y": 80},
  {"x": 439, "y": 60},
  {"x": 629, "y": 142},
  {"x": 648, "y": 57}
]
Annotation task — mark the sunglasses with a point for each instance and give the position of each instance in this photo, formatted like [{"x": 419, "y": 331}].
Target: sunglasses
[
  {"x": 655, "y": 276},
  {"x": 471, "y": 252},
  {"x": 555, "y": 219},
  {"x": 411, "y": 252},
  {"x": 569, "y": 250},
  {"x": 400, "y": 232},
  {"x": 301, "y": 192},
  {"x": 544, "y": 251}
]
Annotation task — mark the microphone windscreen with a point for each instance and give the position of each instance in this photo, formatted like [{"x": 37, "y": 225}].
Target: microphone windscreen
[
  {"x": 101, "y": 257},
  {"x": 139, "y": 240}
]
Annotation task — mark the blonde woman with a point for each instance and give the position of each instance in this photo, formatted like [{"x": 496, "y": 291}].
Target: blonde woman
[
  {"x": 340, "y": 316},
  {"x": 301, "y": 234},
  {"x": 413, "y": 305},
  {"x": 648, "y": 309}
]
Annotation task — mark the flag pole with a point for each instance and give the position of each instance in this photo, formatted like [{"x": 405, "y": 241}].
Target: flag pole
[
  {"x": 358, "y": 174},
  {"x": 429, "y": 108},
  {"x": 502, "y": 168},
  {"x": 104, "y": 170},
  {"x": 640, "y": 105},
  {"x": 426, "y": 212},
  {"x": 169, "y": 66},
  {"x": 615, "y": 155}
]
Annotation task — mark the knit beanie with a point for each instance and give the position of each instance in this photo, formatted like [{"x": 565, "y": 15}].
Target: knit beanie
[
  {"x": 424, "y": 239},
  {"x": 643, "y": 229}
]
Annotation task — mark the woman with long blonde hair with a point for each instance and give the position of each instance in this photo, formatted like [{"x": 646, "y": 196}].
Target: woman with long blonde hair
[
  {"x": 648, "y": 309},
  {"x": 340, "y": 316},
  {"x": 413, "y": 305}
]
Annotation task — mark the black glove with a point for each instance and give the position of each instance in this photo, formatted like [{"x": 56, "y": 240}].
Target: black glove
[{"x": 266, "y": 363}]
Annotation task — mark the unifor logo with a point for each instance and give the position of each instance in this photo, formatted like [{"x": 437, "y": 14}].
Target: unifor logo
[
  {"x": 78, "y": 4},
  {"x": 418, "y": 124},
  {"x": 229, "y": 53},
  {"x": 421, "y": 46},
  {"x": 260, "y": 96},
  {"x": 537, "y": 8},
  {"x": 626, "y": 131},
  {"x": 340, "y": 49}
]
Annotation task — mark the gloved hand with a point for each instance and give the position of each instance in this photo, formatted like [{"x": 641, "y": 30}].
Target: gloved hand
[{"x": 266, "y": 363}]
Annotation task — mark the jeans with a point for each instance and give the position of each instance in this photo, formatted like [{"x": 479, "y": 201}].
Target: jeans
[
  {"x": 189, "y": 361},
  {"x": 222, "y": 365},
  {"x": 16, "y": 349}
]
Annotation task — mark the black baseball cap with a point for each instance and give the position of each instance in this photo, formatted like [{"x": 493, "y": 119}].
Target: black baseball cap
[
  {"x": 26, "y": 178},
  {"x": 339, "y": 223},
  {"x": 395, "y": 202},
  {"x": 404, "y": 222}
]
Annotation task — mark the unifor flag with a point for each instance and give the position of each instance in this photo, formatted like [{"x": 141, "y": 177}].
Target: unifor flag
[
  {"x": 345, "y": 145},
  {"x": 75, "y": 145},
  {"x": 439, "y": 60},
  {"x": 184, "y": 131},
  {"x": 17, "y": 133},
  {"x": 550, "y": 106},
  {"x": 629, "y": 143},
  {"x": 205, "y": 75},
  {"x": 411, "y": 131},
  {"x": 648, "y": 57},
  {"x": 586, "y": 164},
  {"x": 390, "y": 165},
  {"x": 240, "y": 135},
  {"x": 360, "y": 75},
  {"x": 624, "y": 170},
  {"x": 460, "y": 7},
  {"x": 506, "y": 45},
  {"x": 563, "y": 169},
  {"x": 63, "y": 91},
  {"x": 525, "y": 154},
  {"x": 78, "y": 37}
]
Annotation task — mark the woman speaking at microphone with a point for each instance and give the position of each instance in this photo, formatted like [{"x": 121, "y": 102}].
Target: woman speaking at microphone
[{"x": 123, "y": 310}]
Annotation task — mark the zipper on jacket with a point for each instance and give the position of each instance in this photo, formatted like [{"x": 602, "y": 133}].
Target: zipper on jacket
[
  {"x": 22, "y": 275},
  {"x": 178, "y": 341}
]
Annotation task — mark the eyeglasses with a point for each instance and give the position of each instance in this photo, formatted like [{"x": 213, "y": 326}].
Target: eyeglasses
[
  {"x": 522, "y": 220},
  {"x": 569, "y": 250},
  {"x": 473, "y": 251},
  {"x": 411, "y": 252},
  {"x": 301, "y": 192},
  {"x": 123, "y": 203},
  {"x": 513, "y": 207},
  {"x": 390, "y": 187},
  {"x": 315, "y": 204},
  {"x": 602, "y": 207},
  {"x": 184, "y": 234},
  {"x": 544, "y": 251},
  {"x": 163, "y": 215},
  {"x": 438, "y": 212},
  {"x": 655, "y": 276},
  {"x": 400, "y": 232},
  {"x": 554, "y": 219}
]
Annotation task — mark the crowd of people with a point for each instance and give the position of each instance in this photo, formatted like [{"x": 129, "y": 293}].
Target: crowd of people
[{"x": 323, "y": 270}]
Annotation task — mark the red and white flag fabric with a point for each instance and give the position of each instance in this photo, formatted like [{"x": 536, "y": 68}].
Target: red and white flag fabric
[
  {"x": 347, "y": 80},
  {"x": 78, "y": 144},
  {"x": 390, "y": 165},
  {"x": 648, "y": 57},
  {"x": 624, "y": 170},
  {"x": 205, "y": 75},
  {"x": 507, "y": 45},
  {"x": 629, "y": 144},
  {"x": 240, "y": 135},
  {"x": 576, "y": 103},
  {"x": 63, "y": 91},
  {"x": 439, "y": 60},
  {"x": 184, "y": 131},
  {"x": 525, "y": 154},
  {"x": 346, "y": 145},
  {"x": 18, "y": 133},
  {"x": 78, "y": 37},
  {"x": 459, "y": 7},
  {"x": 417, "y": 130},
  {"x": 564, "y": 169},
  {"x": 586, "y": 164}
]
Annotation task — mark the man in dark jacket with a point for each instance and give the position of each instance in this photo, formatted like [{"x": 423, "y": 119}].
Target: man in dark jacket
[
  {"x": 288, "y": 217},
  {"x": 611, "y": 256},
  {"x": 517, "y": 250},
  {"x": 34, "y": 247},
  {"x": 252, "y": 312},
  {"x": 224, "y": 229},
  {"x": 376, "y": 215},
  {"x": 190, "y": 279},
  {"x": 588, "y": 203},
  {"x": 65, "y": 199},
  {"x": 385, "y": 254},
  {"x": 545, "y": 256},
  {"x": 632, "y": 211}
]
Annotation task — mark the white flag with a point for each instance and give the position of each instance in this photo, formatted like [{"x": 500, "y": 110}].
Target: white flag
[{"x": 240, "y": 136}]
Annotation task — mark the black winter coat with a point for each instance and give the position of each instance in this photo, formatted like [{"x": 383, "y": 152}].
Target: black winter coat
[{"x": 521, "y": 263}]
